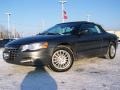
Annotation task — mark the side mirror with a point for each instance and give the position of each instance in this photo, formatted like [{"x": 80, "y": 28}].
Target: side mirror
[{"x": 83, "y": 32}]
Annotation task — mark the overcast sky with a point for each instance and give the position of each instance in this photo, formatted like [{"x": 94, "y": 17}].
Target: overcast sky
[{"x": 29, "y": 15}]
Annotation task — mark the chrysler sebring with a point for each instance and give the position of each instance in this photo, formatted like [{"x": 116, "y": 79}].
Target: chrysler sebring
[{"x": 59, "y": 46}]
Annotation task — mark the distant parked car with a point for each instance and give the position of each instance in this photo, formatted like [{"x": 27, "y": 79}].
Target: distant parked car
[
  {"x": 60, "y": 45},
  {"x": 4, "y": 41}
]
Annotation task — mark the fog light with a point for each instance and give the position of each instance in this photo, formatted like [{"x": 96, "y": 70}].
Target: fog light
[{"x": 5, "y": 55}]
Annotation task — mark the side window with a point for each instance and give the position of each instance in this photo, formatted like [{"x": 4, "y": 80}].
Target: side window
[
  {"x": 98, "y": 29},
  {"x": 92, "y": 29}
]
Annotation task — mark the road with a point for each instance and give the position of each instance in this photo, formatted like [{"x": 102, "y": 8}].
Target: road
[{"x": 86, "y": 74}]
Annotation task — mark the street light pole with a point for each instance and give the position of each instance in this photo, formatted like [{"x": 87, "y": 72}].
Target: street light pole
[
  {"x": 62, "y": 8},
  {"x": 8, "y": 22}
]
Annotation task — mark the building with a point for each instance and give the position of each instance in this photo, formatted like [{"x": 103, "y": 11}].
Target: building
[{"x": 115, "y": 32}]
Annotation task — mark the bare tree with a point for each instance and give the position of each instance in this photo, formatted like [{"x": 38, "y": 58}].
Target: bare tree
[{"x": 4, "y": 34}]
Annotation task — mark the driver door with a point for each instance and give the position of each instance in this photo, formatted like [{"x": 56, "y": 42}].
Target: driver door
[{"x": 89, "y": 43}]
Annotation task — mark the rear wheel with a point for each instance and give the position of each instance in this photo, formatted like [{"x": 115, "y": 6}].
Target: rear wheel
[
  {"x": 111, "y": 52},
  {"x": 62, "y": 59}
]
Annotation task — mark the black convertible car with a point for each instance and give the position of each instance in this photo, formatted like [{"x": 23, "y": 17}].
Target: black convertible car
[
  {"x": 60, "y": 45},
  {"x": 4, "y": 41}
]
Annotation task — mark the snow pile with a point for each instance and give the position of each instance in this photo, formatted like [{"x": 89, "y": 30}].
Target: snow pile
[{"x": 86, "y": 74}]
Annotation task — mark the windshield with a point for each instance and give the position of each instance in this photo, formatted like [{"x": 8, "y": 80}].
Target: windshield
[{"x": 60, "y": 29}]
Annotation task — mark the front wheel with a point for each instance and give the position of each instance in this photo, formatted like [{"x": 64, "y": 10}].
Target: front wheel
[
  {"x": 111, "y": 52},
  {"x": 62, "y": 59}
]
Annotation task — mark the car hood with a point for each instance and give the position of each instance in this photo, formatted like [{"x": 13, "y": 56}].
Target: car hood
[{"x": 29, "y": 40}]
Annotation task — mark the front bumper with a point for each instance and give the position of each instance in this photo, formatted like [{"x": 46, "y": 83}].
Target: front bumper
[{"x": 37, "y": 57}]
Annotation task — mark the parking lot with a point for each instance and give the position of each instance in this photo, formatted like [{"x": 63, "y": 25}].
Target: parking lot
[{"x": 86, "y": 74}]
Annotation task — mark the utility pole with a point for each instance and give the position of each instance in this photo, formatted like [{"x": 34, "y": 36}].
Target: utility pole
[
  {"x": 8, "y": 22},
  {"x": 88, "y": 17},
  {"x": 62, "y": 8}
]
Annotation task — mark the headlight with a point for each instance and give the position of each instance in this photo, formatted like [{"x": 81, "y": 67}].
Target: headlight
[{"x": 34, "y": 46}]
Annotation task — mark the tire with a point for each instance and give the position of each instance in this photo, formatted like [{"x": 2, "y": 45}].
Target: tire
[
  {"x": 111, "y": 51},
  {"x": 62, "y": 59}
]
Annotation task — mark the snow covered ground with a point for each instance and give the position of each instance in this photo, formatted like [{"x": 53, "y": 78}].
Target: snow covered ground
[{"x": 86, "y": 74}]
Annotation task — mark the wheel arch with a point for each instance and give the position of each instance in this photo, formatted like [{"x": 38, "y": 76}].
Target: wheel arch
[
  {"x": 113, "y": 42},
  {"x": 67, "y": 45}
]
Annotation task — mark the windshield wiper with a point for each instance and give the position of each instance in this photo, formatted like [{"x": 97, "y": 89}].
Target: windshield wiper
[
  {"x": 41, "y": 34},
  {"x": 52, "y": 34},
  {"x": 48, "y": 33}
]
